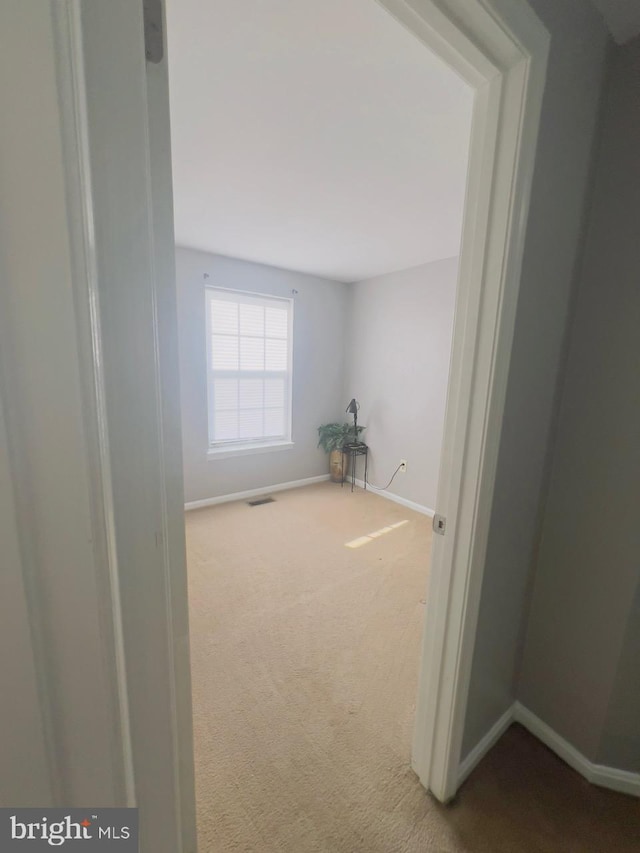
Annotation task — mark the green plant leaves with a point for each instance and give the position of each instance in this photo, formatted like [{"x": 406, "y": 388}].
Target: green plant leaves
[{"x": 334, "y": 436}]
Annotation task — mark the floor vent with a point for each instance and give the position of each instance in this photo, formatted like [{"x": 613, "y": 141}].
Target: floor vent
[{"x": 260, "y": 501}]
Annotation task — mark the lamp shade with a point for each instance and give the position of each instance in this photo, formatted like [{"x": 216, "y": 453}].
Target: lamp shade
[{"x": 353, "y": 407}]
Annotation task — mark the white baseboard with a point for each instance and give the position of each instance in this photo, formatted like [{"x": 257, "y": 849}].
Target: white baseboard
[
  {"x": 617, "y": 780},
  {"x": 484, "y": 745},
  {"x": 252, "y": 493},
  {"x": 425, "y": 510},
  {"x": 597, "y": 774}
]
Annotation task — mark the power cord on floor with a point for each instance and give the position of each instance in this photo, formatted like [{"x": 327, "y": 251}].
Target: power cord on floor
[{"x": 383, "y": 488}]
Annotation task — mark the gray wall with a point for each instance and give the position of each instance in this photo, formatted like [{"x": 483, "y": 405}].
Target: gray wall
[
  {"x": 581, "y": 667},
  {"x": 399, "y": 344},
  {"x": 385, "y": 341},
  {"x": 579, "y": 45},
  {"x": 318, "y": 349}
]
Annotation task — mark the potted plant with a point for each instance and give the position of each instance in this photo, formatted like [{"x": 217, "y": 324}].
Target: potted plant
[{"x": 332, "y": 438}]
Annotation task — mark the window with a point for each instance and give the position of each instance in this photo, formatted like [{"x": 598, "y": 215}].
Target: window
[{"x": 248, "y": 369}]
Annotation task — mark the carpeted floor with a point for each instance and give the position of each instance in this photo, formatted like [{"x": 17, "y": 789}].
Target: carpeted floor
[{"x": 305, "y": 656}]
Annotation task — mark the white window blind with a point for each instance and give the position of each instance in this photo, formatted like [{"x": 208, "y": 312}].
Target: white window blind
[{"x": 248, "y": 367}]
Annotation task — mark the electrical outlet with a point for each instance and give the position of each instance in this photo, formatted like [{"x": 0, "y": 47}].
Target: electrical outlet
[{"x": 403, "y": 466}]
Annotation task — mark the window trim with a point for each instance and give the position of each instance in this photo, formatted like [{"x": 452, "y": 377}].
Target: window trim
[
  {"x": 225, "y": 452},
  {"x": 242, "y": 447}
]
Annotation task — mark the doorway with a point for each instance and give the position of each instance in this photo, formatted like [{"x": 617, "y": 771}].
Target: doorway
[{"x": 505, "y": 63}]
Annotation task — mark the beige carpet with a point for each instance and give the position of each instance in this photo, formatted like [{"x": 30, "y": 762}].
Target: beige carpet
[{"x": 305, "y": 656}]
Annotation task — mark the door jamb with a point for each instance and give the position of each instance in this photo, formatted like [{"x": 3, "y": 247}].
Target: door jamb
[{"x": 501, "y": 50}]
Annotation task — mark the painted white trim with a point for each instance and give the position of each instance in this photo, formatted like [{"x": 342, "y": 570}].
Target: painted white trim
[
  {"x": 73, "y": 100},
  {"x": 127, "y": 217},
  {"x": 552, "y": 739},
  {"x": 597, "y": 774},
  {"x": 616, "y": 780},
  {"x": 390, "y": 496},
  {"x": 502, "y": 51},
  {"x": 227, "y": 452},
  {"x": 484, "y": 744},
  {"x": 253, "y": 493}
]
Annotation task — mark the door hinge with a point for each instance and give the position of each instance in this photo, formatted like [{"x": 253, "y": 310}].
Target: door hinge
[
  {"x": 153, "y": 30},
  {"x": 439, "y": 524}
]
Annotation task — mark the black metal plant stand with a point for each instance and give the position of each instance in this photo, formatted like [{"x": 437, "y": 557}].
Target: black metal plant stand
[{"x": 353, "y": 450}]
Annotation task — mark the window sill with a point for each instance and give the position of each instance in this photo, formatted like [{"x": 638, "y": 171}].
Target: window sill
[{"x": 222, "y": 452}]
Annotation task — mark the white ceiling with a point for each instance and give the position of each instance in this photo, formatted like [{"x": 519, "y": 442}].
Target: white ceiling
[
  {"x": 621, "y": 16},
  {"x": 316, "y": 136}
]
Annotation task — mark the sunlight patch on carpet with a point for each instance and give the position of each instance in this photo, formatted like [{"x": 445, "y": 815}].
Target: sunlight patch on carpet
[{"x": 363, "y": 540}]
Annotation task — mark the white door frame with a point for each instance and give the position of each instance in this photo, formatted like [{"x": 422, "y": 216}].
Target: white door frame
[
  {"x": 500, "y": 49},
  {"x": 116, "y": 155}
]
